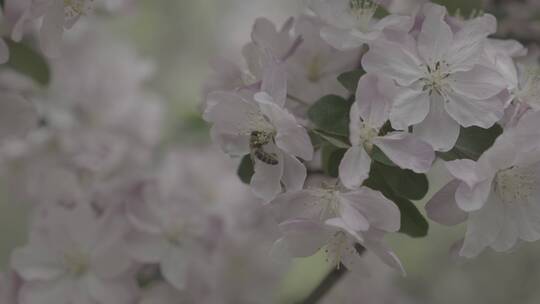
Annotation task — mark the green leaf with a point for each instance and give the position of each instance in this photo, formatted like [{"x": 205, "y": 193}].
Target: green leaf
[
  {"x": 472, "y": 143},
  {"x": 379, "y": 156},
  {"x": 337, "y": 141},
  {"x": 413, "y": 223},
  {"x": 404, "y": 183},
  {"x": 350, "y": 80},
  {"x": 245, "y": 169},
  {"x": 25, "y": 60},
  {"x": 331, "y": 158},
  {"x": 466, "y": 7},
  {"x": 331, "y": 115}
]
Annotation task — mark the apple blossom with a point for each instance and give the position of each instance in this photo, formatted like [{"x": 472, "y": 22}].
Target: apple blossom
[
  {"x": 352, "y": 23},
  {"x": 74, "y": 256},
  {"x": 498, "y": 195},
  {"x": 259, "y": 125},
  {"x": 442, "y": 86},
  {"x": 327, "y": 217},
  {"x": 368, "y": 115}
]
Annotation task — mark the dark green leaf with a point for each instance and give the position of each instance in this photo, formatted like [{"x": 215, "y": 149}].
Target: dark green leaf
[
  {"x": 245, "y": 170},
  {"x": 28, "y": 62},
  {"x": 404, "y": 183},
  {"x": 465, "y": 7},
  {"x": 413, "y": 223},
  {"x": 331, "y": 158},
  {"x": 350, "y": 80},
  {"x": 337, "y": 141},
  {"x": 472, "y": 143},
  {"x": 331, "y": 115},
  {"x": 379, "y": 156}
]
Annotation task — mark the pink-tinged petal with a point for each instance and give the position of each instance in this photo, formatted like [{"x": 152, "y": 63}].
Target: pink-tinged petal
[
  {"x": 109, "y": 255},
  {"x": 479, "y": 83},
  {"x": 47, "y": 292},
  {"x": 438, "y": 129},
  {"x": 468, "y": 43},
  {"x": 381, "y": 212},
  {"x": 120, "y": 291},
  {"x": 469, "y": 112},
  {"x": 4, "y": 52},
  {"x": 37, "y": 261},
  {"x": 174, "y": 266},
  {"x": 340, "y": 224},
  {"x": 303, "y": 238},
  {"x": 232, "y": 144},
  {"x": 52, "y": 29},
  {"x": 394, "y": 22},
  {"x": 263, "y": 31},
  {"x": 472, "y": 199},
  {"x": 228, "y": 111},
  {"x": 294, "y": 173},
  {"x": 345, "y": 40},
  {"x": 352, "y": 217},
  {"x": 17, "y": 118},
  {"x": 303, "y": 204},
  {"x": 410, "y": 107},
  {"x": 354, "y": 167},
  {"x": 266, "y": 182},
  {"x": 145, "y": 248},
  {"x": 394, "y": 61},
  {"x": 335, "y": 13},
  {"x": 274, "y": 83},
  {"x": 407, "y": 151},
  {"x": 483, "y": 228},
  {"x": 436, "y": 36},
  {"x": 383, "y": 252},
  {"x": 291, "y": 137},
  {"x": 465, "y": 170},
  {"x": 372, "y": 103},
  {"x": 442, "y": 207}
]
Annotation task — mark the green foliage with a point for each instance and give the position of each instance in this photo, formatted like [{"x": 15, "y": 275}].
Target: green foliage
[
  {"x": 350, "y": 80},
  {"x": 466, "y": 7},
  {"x": 331, "y": 158},
  {"x": 472, "y": 143},
  {"x": 245, "y": 169},
  {"x": 331, "y": 115},
  {"x": 27, "y": 61},
  {"x": 393, "y": 183}
]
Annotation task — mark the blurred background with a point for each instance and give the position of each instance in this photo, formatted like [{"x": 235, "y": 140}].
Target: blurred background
[{"x": 180, "y": 38}]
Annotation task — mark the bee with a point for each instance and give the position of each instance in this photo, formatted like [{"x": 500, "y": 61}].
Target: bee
[{"x": 257, "y": 140}]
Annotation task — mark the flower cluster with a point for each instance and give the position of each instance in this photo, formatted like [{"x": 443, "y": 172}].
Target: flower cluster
[
  {"x": 334, "y": 120},
  {"x": 421, "y": 86}
]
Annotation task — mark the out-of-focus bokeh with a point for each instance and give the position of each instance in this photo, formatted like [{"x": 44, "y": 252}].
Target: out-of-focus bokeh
[{"x": 181, "y": 37}]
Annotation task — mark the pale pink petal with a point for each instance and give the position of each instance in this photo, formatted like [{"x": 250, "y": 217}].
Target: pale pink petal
[
  {"x": 274, "y": 83},
  {"x": 344, "y": 39},
  {"x": 354, "y": 167},
  {"x": 294, "y": 173},
  {"x": 442, "y": 207},
  {"x": 47, "y": 292},
  {"x": 436, "y": 36},
  {"x": 410, "y": 107},
  {"x": 465, "y": 170},
  {"x": 52, "y": 29},
  {"x": 469, "y": 112},
  {"x": 471, "y": 199},
  {"x": 381, "y": 212},
  {"x": 352, "y": 217},
  {"x": 174, "y": 265},
  {"x": 479, "y": 83},
  {"x": 266, "y": 182},
  {"x": 438, "y": 129},
  {"x": 391, "y": 60},
  {"x": 373, "y": 105},
  {"x": 407, "y": 151},
  {"x": 145, "y": 248},
  {"x": 303, "y": 238}
]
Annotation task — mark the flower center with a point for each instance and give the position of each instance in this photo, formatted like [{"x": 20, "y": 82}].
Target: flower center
[
  {"x": 366, "y": 135},
  {"x": 436, "y": 78},
  {"x": 75, "y": 8},
  {"x": 363, "y": 11},
  {"x": 175, "y": 233},
  {"x": 314, "y": 69},
  {"x": 76, "y": 262},
  {"x": 337, "y": 248},
  {"x": 515, "y": 185},
  {"x": 529, "y": 92}
]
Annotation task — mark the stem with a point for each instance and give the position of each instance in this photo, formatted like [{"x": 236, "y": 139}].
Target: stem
[{"x": 331, "y": 279}]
